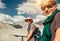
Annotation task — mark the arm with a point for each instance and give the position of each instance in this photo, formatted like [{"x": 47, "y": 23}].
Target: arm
[
  {"x": 57, "y": 22},
  {"x": 32, "y": 29},
  {"x": 57, "y": 36},
  {"x": 29, "y": 35}
]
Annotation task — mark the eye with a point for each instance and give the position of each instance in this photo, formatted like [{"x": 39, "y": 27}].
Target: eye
[
  {"x": 49, "y": 6},
  {"x": 43, "y": 8}
]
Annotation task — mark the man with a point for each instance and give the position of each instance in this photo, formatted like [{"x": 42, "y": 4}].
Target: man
[
  {"x": 51, "y": 30},
  {"x": 31, "y": 29}
]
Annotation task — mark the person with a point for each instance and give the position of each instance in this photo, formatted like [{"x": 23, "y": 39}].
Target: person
[
  {"x": 51, "y": 30},
  {"x": 32, "y": 31},
  {"x": 31, "y": 28}
]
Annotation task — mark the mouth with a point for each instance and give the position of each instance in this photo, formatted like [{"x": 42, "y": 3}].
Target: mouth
[{"x": 47, "y": 13}]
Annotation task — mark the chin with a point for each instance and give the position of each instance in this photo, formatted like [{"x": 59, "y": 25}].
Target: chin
[{"x": 47, "y": 14}]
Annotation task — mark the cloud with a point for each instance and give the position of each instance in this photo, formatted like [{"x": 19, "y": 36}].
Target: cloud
[
  {"x": 19, "y": 18},
  {"x": 2, "y": 5},
  {"x": 40, "y": 18},
  {"x": 6, "y": 18},
  {"x": 9, "y": 19},
  {"x": 28, "y": 8}
]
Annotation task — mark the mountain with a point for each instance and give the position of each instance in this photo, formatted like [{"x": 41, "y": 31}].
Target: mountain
[
  {"x": 8, "y": 32},
  {"x": 13, "y": 32}
]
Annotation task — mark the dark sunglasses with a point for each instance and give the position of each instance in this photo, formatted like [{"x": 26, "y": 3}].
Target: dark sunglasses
[{"x": 47, "y": 6}]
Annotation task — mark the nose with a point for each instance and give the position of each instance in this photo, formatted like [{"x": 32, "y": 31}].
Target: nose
[{"x": 46, "y": 9}]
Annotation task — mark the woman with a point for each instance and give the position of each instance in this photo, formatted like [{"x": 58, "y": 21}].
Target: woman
[{"x": 51, "y": 30}]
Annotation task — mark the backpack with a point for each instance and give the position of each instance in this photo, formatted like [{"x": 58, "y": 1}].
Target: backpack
[{"x": 37, "y": 33}]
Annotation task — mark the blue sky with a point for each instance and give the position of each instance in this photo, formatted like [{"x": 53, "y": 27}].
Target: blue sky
[
  {"x": 11, "y": 5},
  {"x": 20, "y": 8},
  {"x": 58, "y": 1}
]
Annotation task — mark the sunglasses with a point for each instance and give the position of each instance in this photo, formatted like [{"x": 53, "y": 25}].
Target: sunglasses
[{"x": 47, "y": 6}]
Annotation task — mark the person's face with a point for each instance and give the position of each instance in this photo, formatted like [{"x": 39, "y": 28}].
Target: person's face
[
  {"x": 28, "y": 23},
  {"x": 47, "y": 8}
]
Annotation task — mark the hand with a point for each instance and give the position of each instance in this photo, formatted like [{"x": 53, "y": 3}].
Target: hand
[{"x": 27, "y": 40}]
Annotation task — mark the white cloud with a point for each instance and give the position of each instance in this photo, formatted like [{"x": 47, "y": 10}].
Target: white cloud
[
  {"x": 9, "y": 19},
  {"x": 28, "y": 8},
  {"x": 19, "y": 18},
  {"x": 6, "y": 18},
  {"x": 40, "y": 18},
  {"x": 2, "y": 5}
]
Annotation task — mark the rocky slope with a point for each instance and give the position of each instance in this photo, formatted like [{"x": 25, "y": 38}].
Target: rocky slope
[{"x": 10, "y": 33}]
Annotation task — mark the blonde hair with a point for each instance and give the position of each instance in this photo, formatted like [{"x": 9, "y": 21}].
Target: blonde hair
[{"x": 53, "y": 2}]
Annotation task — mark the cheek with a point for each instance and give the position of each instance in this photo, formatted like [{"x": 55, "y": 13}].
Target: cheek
[
  {"x": 52, "y": 9},
  {"x": 26, "y": 23},
  {"x": 44, "y": 12}
]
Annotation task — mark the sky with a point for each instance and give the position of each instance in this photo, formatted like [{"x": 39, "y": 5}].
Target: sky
[{"x": 17, "y": 10}]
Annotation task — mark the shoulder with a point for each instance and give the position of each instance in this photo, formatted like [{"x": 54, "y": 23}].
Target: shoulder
[
  {"x": 58, "y": 14},
  {"x": 57, "y": 20},
  {"x": 32, "y": 25}
]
